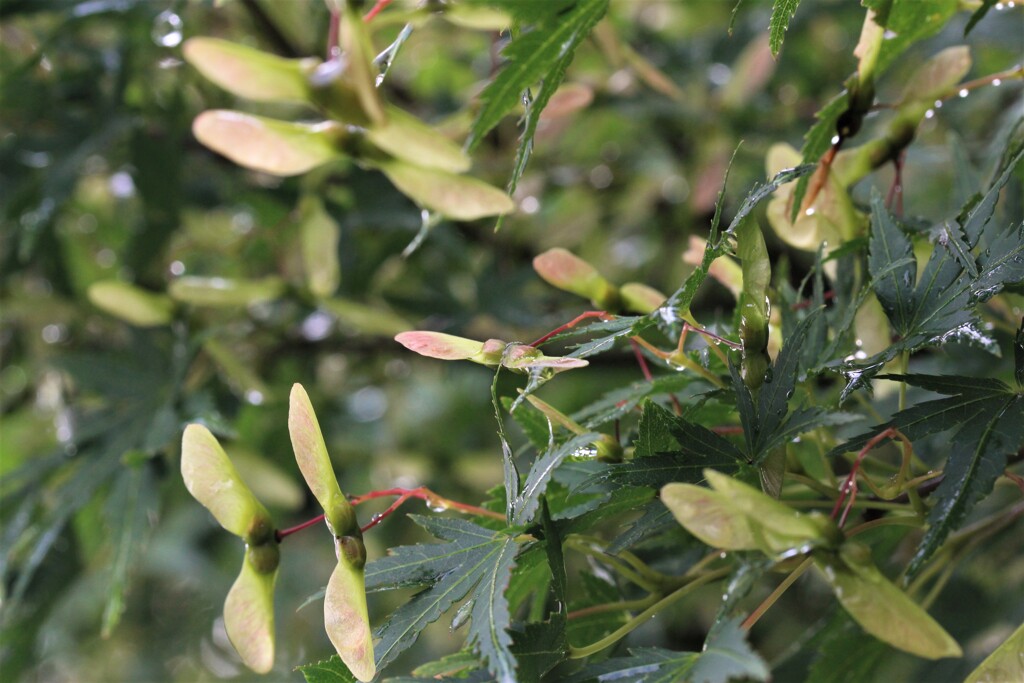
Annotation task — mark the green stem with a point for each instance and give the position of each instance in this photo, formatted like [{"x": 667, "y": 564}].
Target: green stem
[
  {"x": 766, "y": 604},
  {"x": 621, "y": 606},
  {"x": 632, "y": 624}
]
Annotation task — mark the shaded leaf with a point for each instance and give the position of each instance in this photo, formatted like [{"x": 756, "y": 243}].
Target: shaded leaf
[
  {"x": 318, "y": 238},
  {"x": 331, "y": 670},
  {"x": 654, "y": 433},
  {"x": 131, "y": 304},
  {"x": 219, "y": 292},
  {"x": 526, "y": 503},
  {"x": 882, "y": 609}
]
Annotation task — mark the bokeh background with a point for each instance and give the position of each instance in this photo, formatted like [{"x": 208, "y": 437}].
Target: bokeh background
[{"x": 110, "y": 570}]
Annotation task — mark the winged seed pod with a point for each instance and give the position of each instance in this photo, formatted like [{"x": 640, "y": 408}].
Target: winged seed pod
[
  {"x": 562, "y": 269},
  {"x": 491, "y": 353},
  {"x": 734, "y": 516},
  {"x": 212, "y": 479},
  {"x": 346, "y": 619}
]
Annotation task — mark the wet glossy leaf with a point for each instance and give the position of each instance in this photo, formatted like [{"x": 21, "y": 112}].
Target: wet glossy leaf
[
  {"x": 220, "y": 292},
  {"x": 315, "y": 463},
  {"x": 782, "y": 13},
  {"x": 347, "y": 621},
  {"x": 250, "y": 73},
  {"x": 1005, "y": 664},
  {"x": 249, "y": 617},
  {"x": 331, "y": 670},
  {"x": 454, "y": 196},
  {"x": 474, "y": 562},
  {"x": 131, "y": 304},
  {"x": 882, "y": 609},
  {"x": 213, "y": 481},
  {"x": 276, "y": 147}
]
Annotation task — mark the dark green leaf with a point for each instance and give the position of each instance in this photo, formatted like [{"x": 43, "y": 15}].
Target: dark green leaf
[
  {"x": 888, "y": 244},
  {"x": 782, "y": 12},
  {"x": 726, "y": 656},
  {"x": 1018, "y": 355},
  {"x": 656, "y": 519},
  {"x": 525, "y": 504},
  {"x": 475, "y": 563},
  {"x": 978, "y": 15},
  {"x": 654, "y": 431},
  {"x": 542, "y": 53},
  {"x": 331, "y": 670},
  {"x": 977, "y": 458},
  {"x": 818, "y": 139}
]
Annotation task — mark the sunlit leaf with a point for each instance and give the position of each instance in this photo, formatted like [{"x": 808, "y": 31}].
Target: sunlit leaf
[
  {"x": 131, "y": 304},
  {"x": 213, "y": 481},
  {"x": 347, "y": 621},
  {"x": 405, "y": 137},
  {"x": 882, "y": 609},
  {"x": 454, "y": 196},
  {"x": 249, "y": 617},
  {"x": 639, "y": 298},
  {"x": 442, "y": 346},
  {"x": 276, "y": 147},
  {"x": 250, "y": 73},
  {"x": 315, "y": 463}
]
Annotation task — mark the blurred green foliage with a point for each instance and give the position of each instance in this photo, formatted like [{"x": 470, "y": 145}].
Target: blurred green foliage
[{"x": 110, "y": 571}]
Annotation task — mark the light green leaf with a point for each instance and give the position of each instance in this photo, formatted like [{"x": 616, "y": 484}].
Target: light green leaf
[
  {"x": 882, "y": 609},
  {"x": 130, "y": 303},
  {"x": 249, "y": 617},
  {"x": 236, "y": 372},
  {"x": 709, "y": 516},
  {"x": 1005, "y": 664},
  {"x": 315, "y": 464},
  {"x": 757, "y": 273},
  {"x": 250, "y": 73},
  {"x": 453, "y": 196},
  {"x": 639, "y": 298},
  {"x": 347, "y": 621},
  {"x": 213, "y": 481},
  {"x": 359, "y": 70},
  {"x": 318, "y": 237},
  {"x": 777, "y": 527},
  {"x": 279, "y": 148},
  {"x": 562, "y": 269},
  {"x": 219, "y": 292},
  {"x": 373, "y": 320},
  {"x": 405, "y": 137}
]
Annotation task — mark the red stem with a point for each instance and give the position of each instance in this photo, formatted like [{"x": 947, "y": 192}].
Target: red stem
[
  {"x": 850, "y": 485},
  {"x": 375, "y": 10},
  {"x": 332, "y": 37},
  {"x": 298, "y": 527},
  {"x": 602, "y": 315}
]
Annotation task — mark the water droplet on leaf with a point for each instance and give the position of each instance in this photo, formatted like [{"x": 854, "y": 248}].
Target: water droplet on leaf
[{"x": 167, "y": 29}]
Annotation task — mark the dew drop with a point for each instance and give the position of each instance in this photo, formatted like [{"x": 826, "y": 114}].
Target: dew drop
[
  {"x": 436, "y": 505},
  {"x": 938, "y": 104},
  {"x": 835, "y": 140},
  {"x": 810, "y": 212},
  {"x": 929, "y": 114},
  {"x": 963, "y": 92},
  {"x": 167, "y": 29},
  {"x": 769, "y": 375},
  {"x": 997, "y": 82}
]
